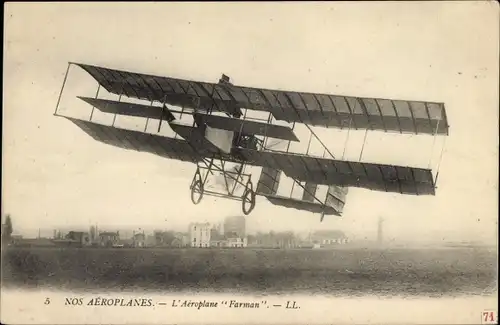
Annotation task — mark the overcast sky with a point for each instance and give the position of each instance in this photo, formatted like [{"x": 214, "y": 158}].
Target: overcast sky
[{"x": 55, "y": 175}]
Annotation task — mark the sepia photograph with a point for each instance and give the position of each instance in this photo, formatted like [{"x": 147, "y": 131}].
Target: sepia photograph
[{"x": 168, "y": 163}]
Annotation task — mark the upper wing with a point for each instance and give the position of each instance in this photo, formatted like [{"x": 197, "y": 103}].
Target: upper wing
[
  {"x": 192, "y": 94},
  {"x": 322, "y": 110}
]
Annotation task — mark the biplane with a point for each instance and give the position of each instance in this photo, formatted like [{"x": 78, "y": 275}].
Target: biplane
[{"x": 222, "y": 133}]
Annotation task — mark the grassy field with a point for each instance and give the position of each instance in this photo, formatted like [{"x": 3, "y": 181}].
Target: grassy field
[{"x": 392, "y": 272}]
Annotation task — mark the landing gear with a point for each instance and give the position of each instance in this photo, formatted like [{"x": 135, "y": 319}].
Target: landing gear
[
  {"x": 197, "y": 189},
  {"x": 232, "y": 179},
  {"x": 248, "y": 198}
]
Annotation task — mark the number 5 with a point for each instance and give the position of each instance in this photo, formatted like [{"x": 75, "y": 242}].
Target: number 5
[{"x": 47, "y": 301}]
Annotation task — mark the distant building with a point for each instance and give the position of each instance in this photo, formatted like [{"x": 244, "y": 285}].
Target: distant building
[
  {"x": 77, "y": 238},
  {"x": 235, "y": 224},
  {"x": 217, "y": 239},
  {"x": 139, "y": 240},
  {"x": 124, "y": 242},
  {"x": 93, "y": 234},
  {"x": 327, "y": 238},
  {"x": 273, "y": 239},
  {"x": 109, "y": 238},
  {"x": 150, "y": 241},
  {"x": 199, "y": 234},
  {"x": 180, "y": 240},
  {"x": 236, "y": 242},
  {"x": 219, "y": 228},
  {"x": 226, "y": 240},
  {"x": 263, "y": 240}
]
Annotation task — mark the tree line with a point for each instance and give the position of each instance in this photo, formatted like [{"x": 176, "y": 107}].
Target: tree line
[{"x": 7, "y": 230}]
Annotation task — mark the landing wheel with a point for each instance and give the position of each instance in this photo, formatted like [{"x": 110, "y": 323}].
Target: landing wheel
[
  {"x": 197, "y": 191},
  {"x": 248, "y": 202}
]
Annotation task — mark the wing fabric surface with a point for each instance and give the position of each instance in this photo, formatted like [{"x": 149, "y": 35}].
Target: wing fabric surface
[
  {"x": 191, "y": 94},
  {"x": 268, "y": 187},
  {"x": 302, "y": 205},
  {"x": 124, "y": 108},
  {"x": 336, "y": 197},
  {"x": 246, "y": 126},
  {"x": 166, "y": 147},
  {"x": 220, "y": 122},
  {"x": 323, "y": 110},
  {"x": 385, "y": 178},
  {"x": 268, "y": 181}
]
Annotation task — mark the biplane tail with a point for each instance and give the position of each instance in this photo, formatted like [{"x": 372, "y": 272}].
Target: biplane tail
[{"x": 332, "y": 204}]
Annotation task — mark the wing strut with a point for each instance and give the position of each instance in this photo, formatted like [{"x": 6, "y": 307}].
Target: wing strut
[
  {"x": 289, "y": 141},
  {"x": 317, "y": 138},
  {"x": 440, "y": 159},
  {"x": 346, "y": 139},
  {"x": 147, "y": 119},
  {"x": 363, "y": 147},
  {"x": 119, "y": 99},
  {"x": 62, "y": 88},
  {"x": 93, "y": 107},
  {"x": 433, "y": 144},
  {"x": 269, "y": 120},
  {"x": 161, "y": 115},
  {"x": 241, "y": 128},
  {"x": 310, "y": 130},
  {"x": 309, "y": 144}
]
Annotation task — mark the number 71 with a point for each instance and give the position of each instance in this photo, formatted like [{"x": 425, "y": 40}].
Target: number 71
[{"x": 489, "y": 316}]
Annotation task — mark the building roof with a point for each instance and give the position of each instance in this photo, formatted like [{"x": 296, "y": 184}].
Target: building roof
[
  {"x": 216, "y": 236},
  {"x": 328, "y": 234},
  {"x": 199, "y": 225},
  {"x": 108, "y": 233}
]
